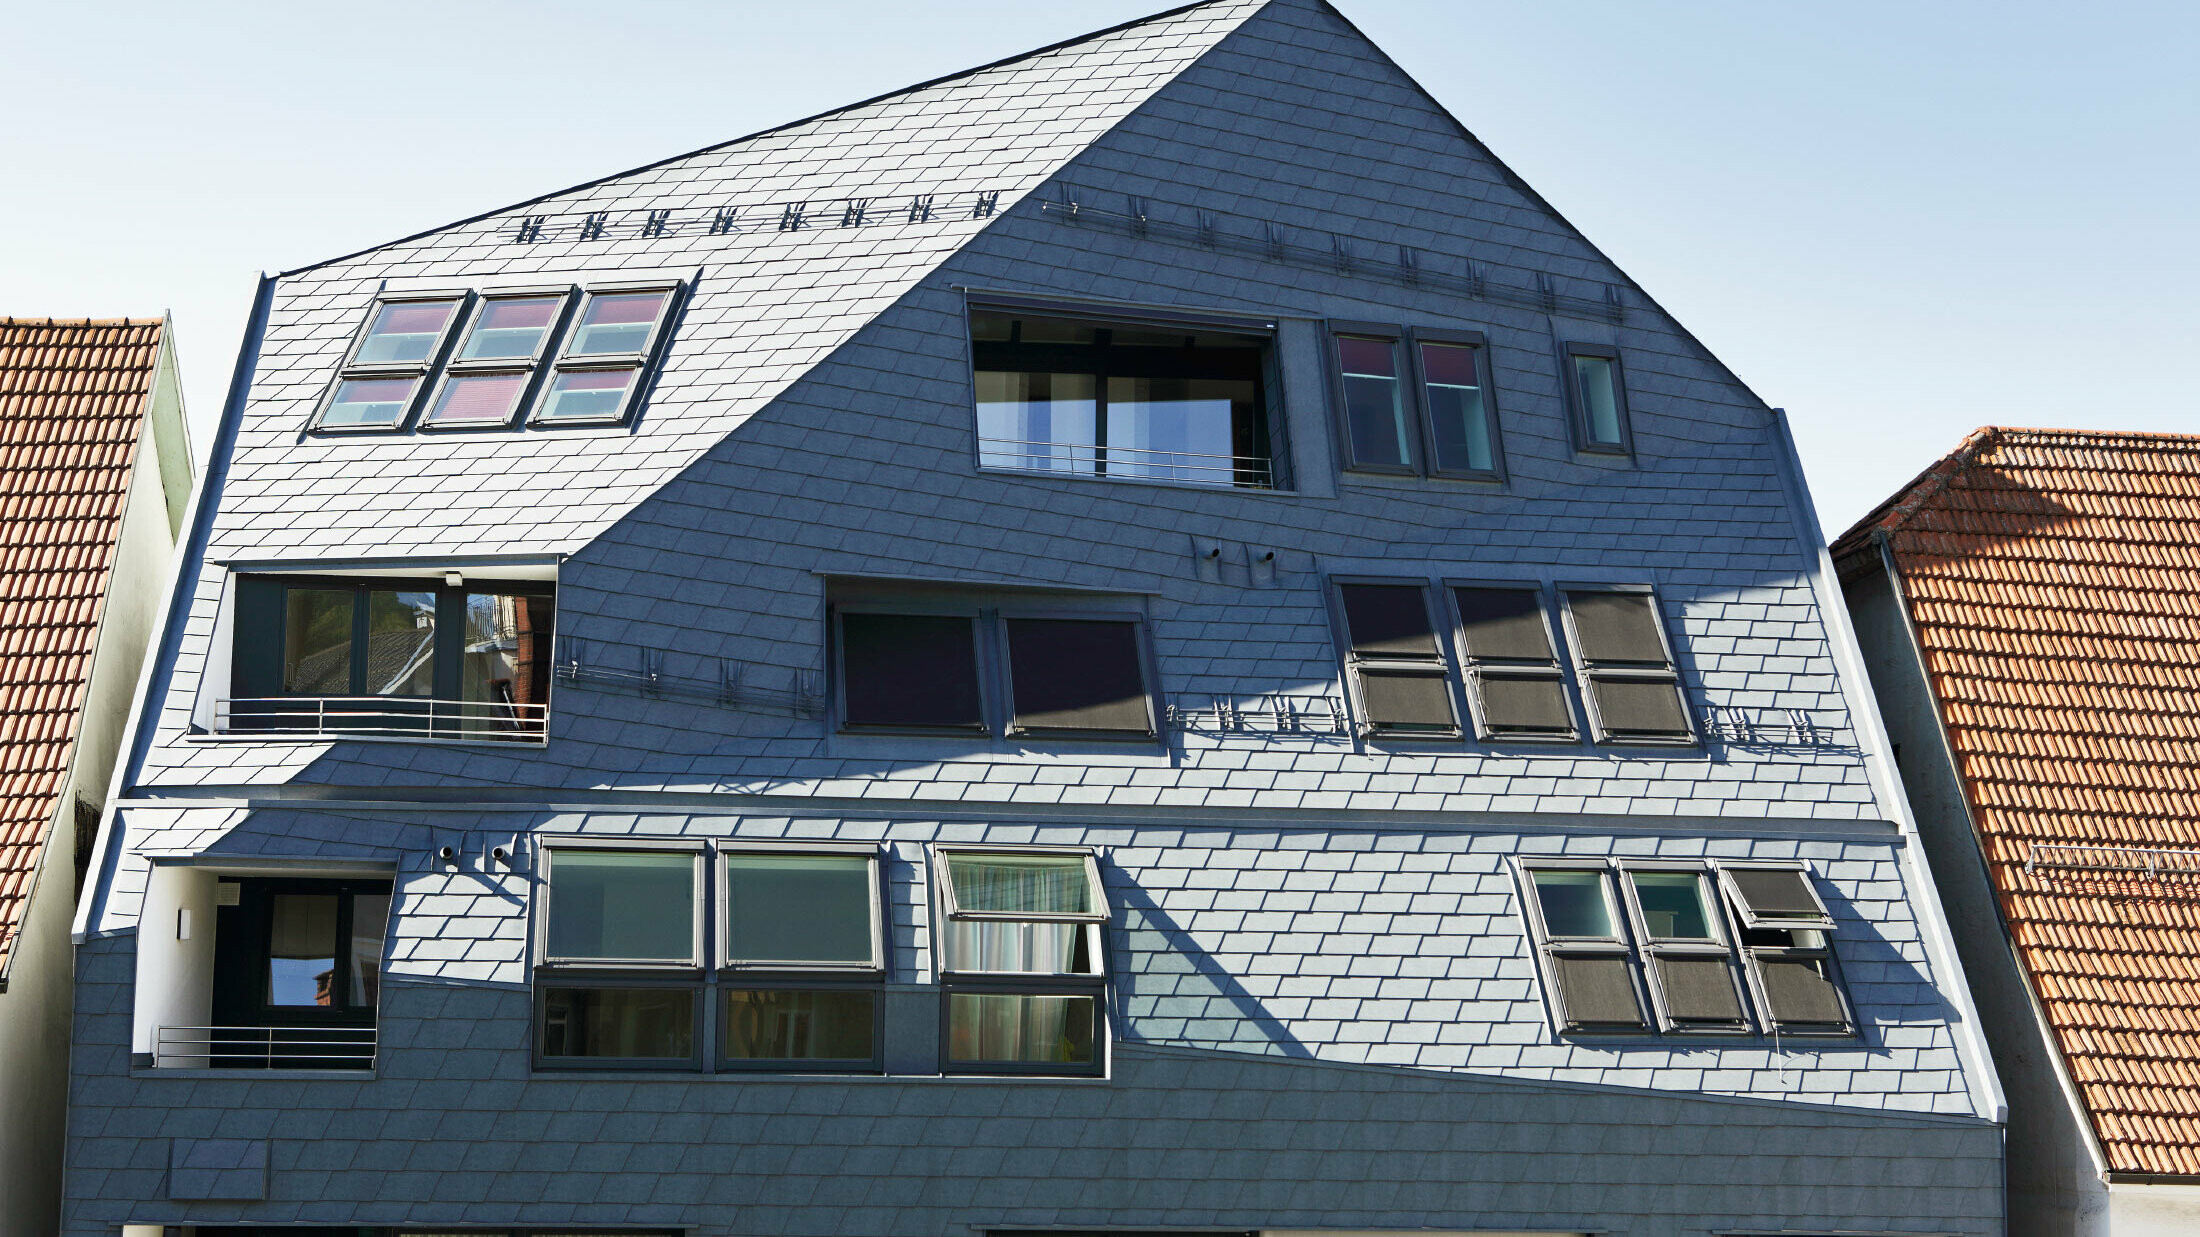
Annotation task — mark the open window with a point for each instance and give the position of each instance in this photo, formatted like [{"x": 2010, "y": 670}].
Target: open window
[
  {"x": 1124, "y": 396},
  {"x": 1397, "y": 665},
  {"x": 1596, "y": 399},
  {"x": 605, "y": 358},
  {"x": 1023, "y": 961},
  {"x": 1511, "y": 669},
  {"x": 1628, "y": 677},
  {"x": 492, "y": 373},
  {"x": 1077, "y": 676},
  {"x": 1587, "y": 965},
  {"x": 390, "y": 657},
  {"x": 389, "y": 362},
  {"x": 620, "y": 948},
  {"x": 1690, "y": 965},
  {"x": 1458, "y": 413},
  {"x": 802, "y": 983},
  {"x": 1785, "y": 933}
]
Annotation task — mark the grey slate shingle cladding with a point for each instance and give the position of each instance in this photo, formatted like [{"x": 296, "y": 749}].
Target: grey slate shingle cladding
[{"x": 1325, "y": 1007}]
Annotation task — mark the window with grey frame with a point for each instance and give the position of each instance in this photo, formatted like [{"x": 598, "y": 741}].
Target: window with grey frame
[
  {"x": 1452, "y": 376},
  {"x": 1688, "y": 959},
  {"x": 1581, "y": 943},
  {"x": 491, "y": 375},
  {"x": 1022, "y": 960},
  {"x": 1398, "y": 671},
  {"x": 607, "y": 355},
  {"x": 1629, "y": 680},
  {"x": 619, "y": 971},
  {"x": 1785, "y": 932},
  {"x": 1596, "y": 399},
  {"x": 1511, "y": 669},
  {"x": 1374, "y": 397},
  {"x": 802, "y": 981},
  {"x": 389, "y": 362}
]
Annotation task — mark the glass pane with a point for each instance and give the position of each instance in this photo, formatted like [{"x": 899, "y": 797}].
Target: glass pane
[
  {"x": 317, "y": 642},
  {"x": 991, "y": 328},
  {"x": 1375, "y": 414},
  {"x": 1390, "y": 620},
  {"x": 405, "y": 332},
  {"x": 1775, "y": 893},
  {"x": 1597, "y": 992},
  {"x": 1022, "y": 884},
  {"x": 616, "y": 323},
  {"x": 370, "y": 922},
  {"x": 917, "y": 670},
  {"x": 1177, "y": 429},
  {"x": 596, "y": 394},
  {"x": 1574, "y": 904},
  {"x": 1503, "y": 623},
  {"x": 1617, "y": 627},
  {"x": 1699, "y": 990},
  {"x": 1801, "y": 990},
  {"x": 1458, "y": 421},
  {"x": 1077, "y": 675},
  {"x": 1053, "y": 331},
  {"x": 633, "y": 905},
  {"x": 1524, "y": 705},
  {"x": 1673, "y": 905},
  {"x": 507, "y": 664},
  {"x": 1037, "y": 421},
  {"x": 301, "y": 949},
  {"x": 370, "y": 401},
  {"x": 1014, "y": 946},
  {"x": 651, "y": 1023},
  {"x": 510, "y": 329},
  {"x": 400, "y": 643},
  {"x": 798, "y": 908},
  {"x": 477, "y": 399},
  {"x": 778, "y": 1025},
  {"x": 1599, "y": 389},
  {"x": 1407, "y": 700},
  {"x": 1646, "y": 707},
  {"x": 1045, "y": 1030}
]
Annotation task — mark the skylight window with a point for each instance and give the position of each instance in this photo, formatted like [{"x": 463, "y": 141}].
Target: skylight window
[
  {"x": 405, "y": 333},
  {"x": 389, "y": 362},
  {"x": 617, "y": 324}
]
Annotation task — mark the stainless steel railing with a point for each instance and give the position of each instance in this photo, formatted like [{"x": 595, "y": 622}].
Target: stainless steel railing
[
  {"x": 384, "y": 716},
  {"x": 1142, "y": 463},
  {"x": 263, "y": 1048}
]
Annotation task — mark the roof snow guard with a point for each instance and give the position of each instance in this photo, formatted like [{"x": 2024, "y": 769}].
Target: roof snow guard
[
  {"x": 72, "y": 403},
  {"x": 2053, "y": 580}
]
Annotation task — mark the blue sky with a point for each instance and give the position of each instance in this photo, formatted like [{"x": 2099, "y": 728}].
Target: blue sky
[{"x": 1899, "y": 221}]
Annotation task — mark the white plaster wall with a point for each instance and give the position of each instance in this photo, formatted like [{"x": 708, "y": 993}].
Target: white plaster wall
[
  {"x": 2153, "y": 1211},
  {"x": 175, "y": 971}
]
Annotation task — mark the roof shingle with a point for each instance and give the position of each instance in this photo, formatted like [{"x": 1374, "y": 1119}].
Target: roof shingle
[
  {"x": 72, "y": 402},
  {"x": 2053, "y": 580}
]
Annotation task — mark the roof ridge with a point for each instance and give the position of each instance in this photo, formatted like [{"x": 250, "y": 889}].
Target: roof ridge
[
  {"x": 1897, "y": 509},
  {"x": 941, "y": 80},
  {"x": 11, "y": 321},
  {"x": 2157, "y": 438}
]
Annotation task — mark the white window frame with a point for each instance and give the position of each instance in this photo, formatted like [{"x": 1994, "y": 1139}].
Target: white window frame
[
  {"x": 954, "y": 979},
  {"x": 531, "y": 366},
  {"x": 423, "y": 372},
  {"x": 794, "y": 975},
  {"x": 1721, "y": 946},
  {"x": 642, "y": 361},
  {"x": 1549, "y": 947},
  {"x": 1587, "y": 672},
  {"x": 731, "y": 850}
]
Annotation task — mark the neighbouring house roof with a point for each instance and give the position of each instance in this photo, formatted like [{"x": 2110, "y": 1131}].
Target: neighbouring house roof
[
  {"x": 2053, "y": 580},
  {"x": 73, "y": 396}
]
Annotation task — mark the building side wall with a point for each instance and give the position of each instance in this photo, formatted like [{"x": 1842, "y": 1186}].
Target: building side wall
[{"x": 2055, "y": 1183}]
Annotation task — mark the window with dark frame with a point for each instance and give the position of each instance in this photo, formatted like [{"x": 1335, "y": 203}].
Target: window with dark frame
[
  {"x": 1628, "y": 676},
  {"x": 1459, "y": 417},
  {"x": 1077, "y": 676},
  {"x": 297, "y": 974},
  {"x": 1587, "y": 962},
  {"x": 1785, "y": 933},
  {"x": 1106, "y": 396},
  {"x": 391, "y": 657},
  {"x": 1511, "y": 670},
  {"x": 605, "y": 358},
  {"x": 1690, "y": 965},
  {"x": 1397, "y": 664},
  {"x": 805, "y": 964},
  {"x": 909, "y": 671},
  {"x": 1022, "y": 961},
  {"x": 620, "y": 976},
  {"x": 1596, "y": 397},
  {"x": 492, "y": 372},
  {"x": 1374, "y": 401},
  {"x": 389, "y": 362}
]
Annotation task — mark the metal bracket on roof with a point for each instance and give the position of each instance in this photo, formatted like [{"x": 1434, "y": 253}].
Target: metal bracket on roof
[
  {"x": 989, "y": 201},
  {"x": 736, "y": 685},
  {"x": 1340, "y": 253},
  {"x": 529, "y": 229},
  {"x": 1206, "y": 227},
  {"x": 2150, "y": 862},
  {"x": 1138, "y": 215},
  {"x": 1409, "y": 266},
  {"x": 592, "y": 227},
  {"x": 1546, "y": 292},
  {"x": 920, "y": 208},
  {"x": 854, "y": 212},
  {"x": 722, "y": 220},
  {"x": 1765, "y": 727},
  {"x": 1306, "y": 714},
  {"x": 655, "y": 224},
  {"x": 791, "y": 217}
]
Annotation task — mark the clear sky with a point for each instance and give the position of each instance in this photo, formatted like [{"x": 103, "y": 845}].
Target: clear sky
[{"x": 1899, "y": 221}]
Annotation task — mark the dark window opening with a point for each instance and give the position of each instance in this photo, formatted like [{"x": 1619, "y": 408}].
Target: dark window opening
[
  {"x": 1397, "y": 665},
  {"x": 1596, "y": 396},
  {"x": 910, "y": 671},
  {"x": 1628, "y": 674},
  {"x": 1077, "y": 675},
  {"x": 1128, "y": 400},
  {"x": 297, "y": 976},
  {"x": 1512, "y": 671}
]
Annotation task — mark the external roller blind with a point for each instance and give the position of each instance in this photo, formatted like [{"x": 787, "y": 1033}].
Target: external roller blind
[
  {"x": 1597, "y": 991},
  {"x": 1077, "y": 675},
  {"x": 1617, "y": 627},
  {"x": 910, "y": 670},
  {"x": 1388, "y": 620}
]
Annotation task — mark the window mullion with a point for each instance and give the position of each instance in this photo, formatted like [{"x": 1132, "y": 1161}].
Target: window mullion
[{"x": 359, "y": 633}]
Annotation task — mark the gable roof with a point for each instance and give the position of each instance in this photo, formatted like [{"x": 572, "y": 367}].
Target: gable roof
[
  {"x": 2053, "y": 580},
  {"x": 73, "y": 397}
]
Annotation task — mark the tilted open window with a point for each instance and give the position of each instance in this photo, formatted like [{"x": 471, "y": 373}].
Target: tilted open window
[
  {"x": 1398, "y": 672},
  {"x": 1784, "y": 931},
  {"x": 1125, "y": 396},
  {"x": 1632, "y": 686},
  {"x": 1023, "y": 960},
  {"x": 391, "y": 658},
  {"x": 1458, "y": 414},
  {"x": 1596, "y": 398},
  {"x": 1511, "y": 669}
]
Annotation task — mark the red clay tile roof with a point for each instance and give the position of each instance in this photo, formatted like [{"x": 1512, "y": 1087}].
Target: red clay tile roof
[
  {"x": 2053, "y": 578},
  {"x": 72, "y": 403}
]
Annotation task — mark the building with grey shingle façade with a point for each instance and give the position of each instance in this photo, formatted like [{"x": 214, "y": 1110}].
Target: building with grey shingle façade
[{"x": 1137, "y": 639}]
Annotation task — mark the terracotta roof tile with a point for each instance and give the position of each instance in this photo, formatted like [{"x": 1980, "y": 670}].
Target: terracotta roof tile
[
  {"x": 72, "y": 402},
  {"x": 2053, "y": 578}
]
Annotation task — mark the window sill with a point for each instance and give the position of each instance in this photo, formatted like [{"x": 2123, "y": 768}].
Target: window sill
[
  {"x": 255, "y": 1075},
  {"x": 1414, "y": 480},
  {"x": 689, "y": 1077},
  {"x": 1196, "y": 487}
]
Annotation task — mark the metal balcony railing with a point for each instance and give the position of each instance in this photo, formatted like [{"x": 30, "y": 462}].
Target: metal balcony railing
[
  {"x": 1140, "y": 463},
  {"x": 263, "y": 1048},
  {"x": 396, "y": 717}
]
